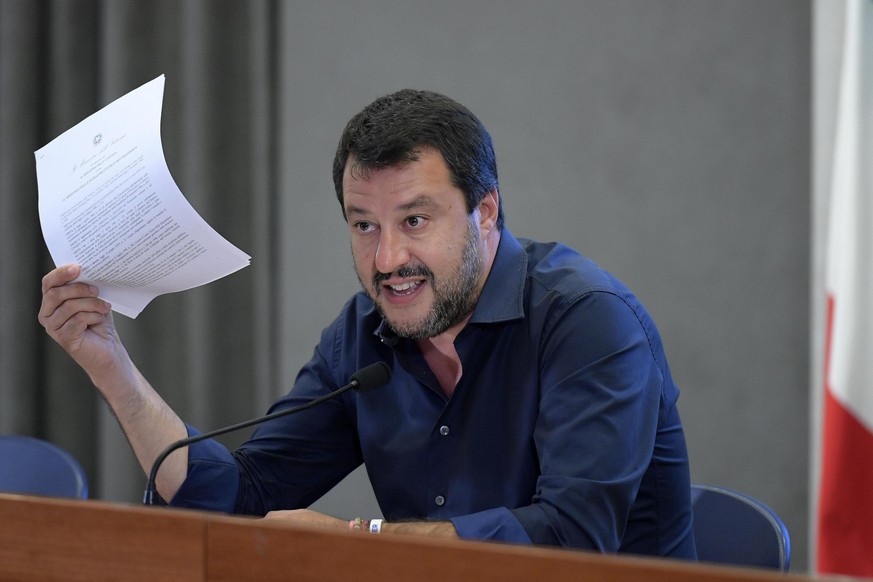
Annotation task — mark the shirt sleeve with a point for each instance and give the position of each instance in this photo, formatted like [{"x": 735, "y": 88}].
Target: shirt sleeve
[
  {"x": 601, "y": 390},
  {"x": 287, "y": 462},
  {"x": 498, "y": 524},
  {"x": 213, "y": 478}
]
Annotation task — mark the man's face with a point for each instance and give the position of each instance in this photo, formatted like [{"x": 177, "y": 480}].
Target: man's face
[{"x": 417, "y": 253}]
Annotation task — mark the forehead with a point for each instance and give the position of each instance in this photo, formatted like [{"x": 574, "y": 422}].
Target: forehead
[{"x": 428, "y": 175}]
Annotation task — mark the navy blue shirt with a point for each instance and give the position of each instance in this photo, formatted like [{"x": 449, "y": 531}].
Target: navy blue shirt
[{"x": 563, "y": 429}]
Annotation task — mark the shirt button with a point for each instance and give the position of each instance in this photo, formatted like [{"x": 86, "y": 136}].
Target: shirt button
[
  {"x": 444, "y": 430},
  {"x": 440, "y": 500}
]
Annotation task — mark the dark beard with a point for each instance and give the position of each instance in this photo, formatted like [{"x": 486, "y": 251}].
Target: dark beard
[{"x": 454, "y": 298}]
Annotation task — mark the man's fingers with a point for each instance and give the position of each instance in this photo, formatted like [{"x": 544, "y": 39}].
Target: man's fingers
[
  {"x": 55, "y": 314},
  {"x": 60, "y": 276},
  {"x": 56, "y": 296},
  {"x": 76, "y": 325}
]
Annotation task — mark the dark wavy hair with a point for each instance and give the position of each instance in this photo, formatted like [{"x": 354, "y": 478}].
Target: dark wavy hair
[{"x": 393, "y": 130}]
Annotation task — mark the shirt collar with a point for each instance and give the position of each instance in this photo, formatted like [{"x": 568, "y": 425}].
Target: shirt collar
[{"x": 502, "y": 297}]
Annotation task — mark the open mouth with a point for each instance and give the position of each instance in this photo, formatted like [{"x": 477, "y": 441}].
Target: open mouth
[
  {"x": 404, "y": 289},
  {"x": 403, "y": 283}
]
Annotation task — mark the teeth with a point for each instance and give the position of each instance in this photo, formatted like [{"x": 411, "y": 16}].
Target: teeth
[{"x": 403, "y": 287}]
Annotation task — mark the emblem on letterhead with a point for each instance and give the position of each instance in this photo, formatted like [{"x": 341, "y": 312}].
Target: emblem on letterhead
[{"x": 97, "y": 139}]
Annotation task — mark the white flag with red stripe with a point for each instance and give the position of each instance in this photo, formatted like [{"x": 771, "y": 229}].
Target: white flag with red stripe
[{"x": 845, "y": 508}]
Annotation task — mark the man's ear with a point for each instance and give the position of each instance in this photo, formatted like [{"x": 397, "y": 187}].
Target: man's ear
[{"x": 488, "y": 210}]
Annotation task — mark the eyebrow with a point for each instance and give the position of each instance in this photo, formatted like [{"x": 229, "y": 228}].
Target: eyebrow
[{"x": 420, "y": 202}]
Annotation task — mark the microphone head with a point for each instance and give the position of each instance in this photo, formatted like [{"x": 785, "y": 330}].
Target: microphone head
[{"x": 371, "y": 377}]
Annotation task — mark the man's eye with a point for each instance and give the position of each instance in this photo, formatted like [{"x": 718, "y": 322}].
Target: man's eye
[
  {"x": 364, "y": 226},
  {"x": 414, "y": 221}
]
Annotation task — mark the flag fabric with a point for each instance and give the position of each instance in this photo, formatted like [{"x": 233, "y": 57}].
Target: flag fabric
[{"x": 844, "y": 537}]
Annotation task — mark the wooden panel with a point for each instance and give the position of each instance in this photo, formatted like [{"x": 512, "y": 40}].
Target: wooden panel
[
  {"x": 54, "y": 539},
  {"x": 250, "y": 549}
]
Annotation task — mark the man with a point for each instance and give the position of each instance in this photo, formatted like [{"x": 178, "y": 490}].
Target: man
[{"x": 530, "y": 402}]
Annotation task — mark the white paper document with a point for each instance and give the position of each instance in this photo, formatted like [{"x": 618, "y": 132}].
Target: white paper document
[{"x": 107, "y": 201}]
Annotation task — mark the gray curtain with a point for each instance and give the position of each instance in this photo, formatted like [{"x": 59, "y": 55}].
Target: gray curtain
[{"x": 210, "y": 350}]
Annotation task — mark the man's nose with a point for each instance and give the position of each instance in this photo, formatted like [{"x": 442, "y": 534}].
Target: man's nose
[{"x": 392, "y": 253}]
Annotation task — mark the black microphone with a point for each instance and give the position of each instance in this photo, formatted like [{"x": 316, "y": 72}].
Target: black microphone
[{"x": 366, "y": 379}]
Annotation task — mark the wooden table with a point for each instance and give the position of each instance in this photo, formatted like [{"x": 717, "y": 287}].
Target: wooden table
[{"x": 49, "y": 539}]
